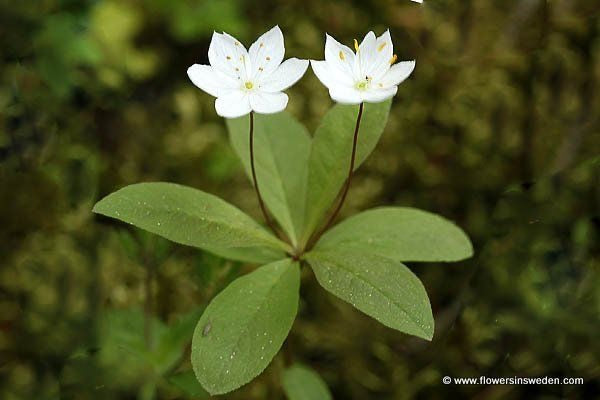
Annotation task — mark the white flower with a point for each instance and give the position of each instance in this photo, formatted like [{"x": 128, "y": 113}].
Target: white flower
[
  {"x": 244, "y": 81},
  {"x": 370, "y": 75}
]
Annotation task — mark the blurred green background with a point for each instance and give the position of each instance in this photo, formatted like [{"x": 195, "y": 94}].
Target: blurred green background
[{"x": 497, "y": 129}]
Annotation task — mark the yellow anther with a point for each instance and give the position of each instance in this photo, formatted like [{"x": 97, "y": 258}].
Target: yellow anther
[
  {"x": 248, "y": 85},
  {"x": 381, "y": 46},
  {"x": 356, "y": 45},
  {"x": 342, "y": 56},
  {"x": 393, "y": 59}
]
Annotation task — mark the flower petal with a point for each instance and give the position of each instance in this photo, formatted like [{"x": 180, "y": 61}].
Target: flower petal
[
  {"x": 227, "y": 55},
  {"x": 267, "y": 52},
  {"x": 384, "y": 51},
  {"x": 322, "y": 71},
  {"x": 397, "y": 73},
  {"x": 288, "y": 73},
  {"x": 345, "y": 95},
  {"x": 340, "y": 59},
  {"x": 379, "y": 95},
  {"x": 209, "y": 80},
  {"x": 366, "y": 54},
  {"x": 268, "y": 103},
  {"x": 233, "y": 104}
]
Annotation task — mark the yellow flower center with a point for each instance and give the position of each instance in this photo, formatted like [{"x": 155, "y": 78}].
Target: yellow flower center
[
  {"x": 364, "y": 84},
  {"x": 249, "y": 85}
]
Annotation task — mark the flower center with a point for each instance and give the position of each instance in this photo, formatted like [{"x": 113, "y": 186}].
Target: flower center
[
  {"x": 363, "y": 84},
  {"x": 249, "y": 85}
]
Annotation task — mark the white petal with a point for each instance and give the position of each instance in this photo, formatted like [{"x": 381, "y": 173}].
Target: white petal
[
  {"x": 379, "y": 95},
  {"x": 233, "y": 104},
  {"x": 267, "y": 52},
  {"x": 340, "y": 59},
  {"x": 397, "y": 73},
  {"x": 268, "y": 103},
  {"x": 384, "y": 51},
  {"x": 209, "y": 80},
  {"x": 227, "y": 55},
  {"x": 323, "y": 72},
  {"x": 367, "y": 54},
  {"x": 288, "y": 73},
  {"x": 345, "y": 95}
]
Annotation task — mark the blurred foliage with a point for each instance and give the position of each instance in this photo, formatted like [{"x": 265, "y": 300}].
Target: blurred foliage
[{"x": 497, "y": 129}]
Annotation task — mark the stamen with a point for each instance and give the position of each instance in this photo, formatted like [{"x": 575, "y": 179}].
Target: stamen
[
  {"x": 356, "y": 45},
  {"x": 261, "y": 69},
  {"x": 268, "y": 58},
  {"x": 248, "y": 85},
  {"x": 393, "y": 59},
  {"x": 342, "y": 56},
  {"x": 262, "y": 45},
  {"x": 229, "y": 58},
  {"x": 381, "y": 46}
]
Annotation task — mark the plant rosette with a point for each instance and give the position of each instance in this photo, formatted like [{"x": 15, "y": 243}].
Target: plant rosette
[{"x": 361, "y": 260}]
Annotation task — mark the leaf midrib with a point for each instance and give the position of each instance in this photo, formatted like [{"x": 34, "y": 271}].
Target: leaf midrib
[
  {"x": 260, "y": 234},
  {"x": 329, "y": 260},
  {"x": 254, "y": 314}
]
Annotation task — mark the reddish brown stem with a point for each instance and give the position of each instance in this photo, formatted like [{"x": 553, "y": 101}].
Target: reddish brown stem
[
  {"x": 260, "y": 200},
  {"x": 346, "y": 186}
]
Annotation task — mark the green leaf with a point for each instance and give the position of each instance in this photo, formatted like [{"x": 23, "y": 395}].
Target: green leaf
[
  {"x": 281, "y": 151},
  {"x": 192, "y": 217},
  {"x": 400, "y": 233},
  {"x": 380, "y": 287},
  {"x": 302, "y": 383},
  {"x": 188, "y": 384},
  {"x": 331, "y": 152},
  {"x": 170, "y": 345},
  {"x": 244, "y": 326}
]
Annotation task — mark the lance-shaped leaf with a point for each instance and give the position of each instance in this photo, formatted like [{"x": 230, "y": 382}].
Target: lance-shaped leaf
[
  {"x": 244, "y": 326},
  {"x": 281, "y": 150},
  {"x": 192, "y": 217},
  {"x": 380, "y": 287},
  {"x": 302, "y": 383},
  {"x": 331, "y": 152},
  {"x": 400, "y": 233}
]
